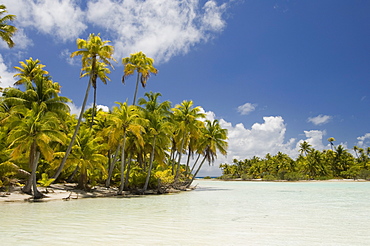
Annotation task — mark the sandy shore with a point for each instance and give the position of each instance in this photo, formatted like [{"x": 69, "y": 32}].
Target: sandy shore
[{"x": 66, "y": 192}]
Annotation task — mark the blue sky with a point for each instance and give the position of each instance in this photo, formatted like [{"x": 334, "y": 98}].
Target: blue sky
[{"x": 274, "y": 72}]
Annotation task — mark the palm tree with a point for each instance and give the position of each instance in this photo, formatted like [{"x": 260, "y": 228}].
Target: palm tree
[
  {"x": 125, "y": 119},
  {"x": 331, "y": 140},
  {"x": 29, "y": 70},
  {"x": 92, "y": 50},
  {"x": 158, "y": 128},
  {"x": 185, "y": 116},
  {"x": 305, "y": 148},
  {"x": 142, "y": 65},
  {"x": 213, "y": 140},
  {"x": 33, "y": 133},
  {"x": 6, "y": 31},
  {"x": 87, "y": 156},
  {"x": 101, "y": 72}
]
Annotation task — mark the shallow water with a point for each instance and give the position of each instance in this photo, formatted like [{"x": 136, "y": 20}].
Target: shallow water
[{"x": 216, "y": 213}]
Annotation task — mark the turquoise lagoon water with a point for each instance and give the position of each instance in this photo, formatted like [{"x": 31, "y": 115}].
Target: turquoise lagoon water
[{"x": 216, "y": 213}]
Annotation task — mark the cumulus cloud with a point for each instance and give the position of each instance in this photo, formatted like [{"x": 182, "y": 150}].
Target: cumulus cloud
[
  {"x": 260, "y": 139},
  {"x": 320, "y": 119},
  {"x": 363, "y": 140},
  {"x": 159, "y": 28},
  {"x": 246, "y": 108},
  {"x": 7, "y": 79},
  {"x": 62, "y": 19}
]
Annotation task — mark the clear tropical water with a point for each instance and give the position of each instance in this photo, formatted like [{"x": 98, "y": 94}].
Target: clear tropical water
[{"x": 216, "y": 213}]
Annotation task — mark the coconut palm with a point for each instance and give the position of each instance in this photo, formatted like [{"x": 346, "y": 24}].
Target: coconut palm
[
  {"x": 186, "y": 117},
  {"x": 29, "y": 70},
  {"x": 331, "y": 140},
  {"x": 158, "y": 128},
  {"x": 140, "y": 63},
  {"x": 33, "y": 133},
  {"x": 125, "y": 119},
  {"x": 6, "y": 31},
  {"x": 101, "y": 72},
  {"x": 92, "y": 50},
  {"x": 87, "y": 156},
  {"x": 305, "y": 148},
  {"x": 213, "y": 140}
]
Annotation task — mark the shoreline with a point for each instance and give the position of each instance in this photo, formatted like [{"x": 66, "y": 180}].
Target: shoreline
[
  {"x": 294, "y": 181},
  {"x": 66, "y": 192}
]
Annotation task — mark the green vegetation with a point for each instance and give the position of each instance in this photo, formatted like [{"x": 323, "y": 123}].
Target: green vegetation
[
  {"x": 336, "y": 162},
  {"x": 132, "y": 147}
]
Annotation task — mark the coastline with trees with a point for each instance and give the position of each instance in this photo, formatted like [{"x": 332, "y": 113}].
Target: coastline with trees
[
  {"x": 132, "y": 148},
  {"x": 311, "y": 164}
]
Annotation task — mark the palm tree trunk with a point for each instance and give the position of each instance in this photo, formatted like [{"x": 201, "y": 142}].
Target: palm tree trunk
[
  {"x": 68, "y": 151},
  {"x": 195, "y": 163},
  {"x": 136, "y": 88},
  {"x": 125, "y": 187},
  {"x": 150, "y": 166},
  {"x": 179, "y": 159},
  {"x": 36, "y": 193},
  {"x": 123, "y": 163},
  {"x": 195, "y": 174},
  {"x": 111, "y": 167},
  {"x": 93, "y": 108}
]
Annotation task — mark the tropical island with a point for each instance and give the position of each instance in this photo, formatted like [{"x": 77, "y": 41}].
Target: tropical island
[
  {"x": 311, "y": 164},
  {"x": 133, "y": 148}
]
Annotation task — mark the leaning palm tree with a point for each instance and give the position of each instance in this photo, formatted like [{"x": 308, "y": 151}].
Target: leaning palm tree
[
  {"x": 92, "y": 50},
  {"x": 6, "y": 31},
  {"x": 213, "y": 140},
  {"x": 140, "y": 63}
]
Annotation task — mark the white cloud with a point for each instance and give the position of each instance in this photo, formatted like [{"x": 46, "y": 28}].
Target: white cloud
[
  {"x": 66, "y": 55},
  {"x": 246, "y": 108},
  {"x": 260, "y": 139},
  {"x": 320, "y": 119},
  {"x": 159, "y": 28},
  {"x": 314, "y": 138},
  {"x": 363, "y": 141},
  {"x": 62, "y": 19},
  {"x": 77, "y": 109},
  {"x": 7, "y": 79}
]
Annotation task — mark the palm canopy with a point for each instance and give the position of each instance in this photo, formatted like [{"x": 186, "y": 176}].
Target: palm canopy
[
  {"x": 6, "y": 31},
  {"x": 140, "y": 63},
  {"x": 93, "y": 49},
  {"x": 29, "y": 70},
  {"x": 213, "y": 140}
]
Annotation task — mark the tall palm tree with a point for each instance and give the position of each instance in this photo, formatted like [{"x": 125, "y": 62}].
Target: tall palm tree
[
  {"x": 6, "y": 31},
  {"x": 33, "y": 133},
  {"x": 331, "y": 140},
  {"x": 213, "y": 140},
  {"x": 125, "y": 119},
  {"x": 140, "y": 63},
  {"x": 101, "y": 72},
  {"x": 158, "y": 128},
  {"x": 92, "y": 50},
  {"x": 186, "y": 117}
]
